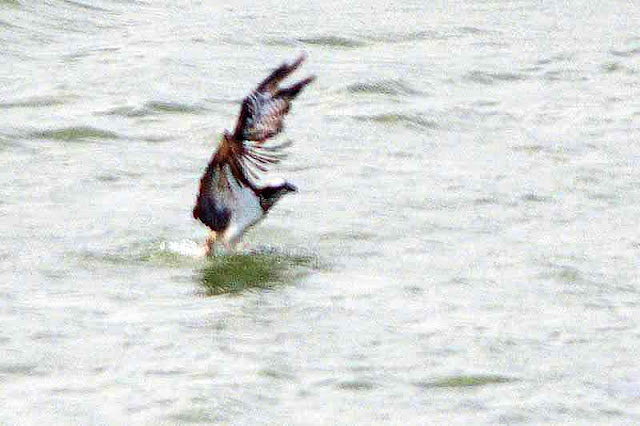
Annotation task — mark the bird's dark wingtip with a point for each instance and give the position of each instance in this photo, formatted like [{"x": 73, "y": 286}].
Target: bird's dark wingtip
[{"x": 298, "y": 61}]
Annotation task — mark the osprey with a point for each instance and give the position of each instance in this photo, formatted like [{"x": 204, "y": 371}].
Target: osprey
[{"x": 232, "y": 195}]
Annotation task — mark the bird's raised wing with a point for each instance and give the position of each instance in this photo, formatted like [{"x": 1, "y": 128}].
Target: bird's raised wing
[{"x": 263, "y": 111}]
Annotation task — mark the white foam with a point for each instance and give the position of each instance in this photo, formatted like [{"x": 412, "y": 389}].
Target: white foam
[{"x": 187, "y": 248}]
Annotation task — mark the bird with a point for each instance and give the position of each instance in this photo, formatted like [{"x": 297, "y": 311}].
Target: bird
[{"x": 233, "y": 194}]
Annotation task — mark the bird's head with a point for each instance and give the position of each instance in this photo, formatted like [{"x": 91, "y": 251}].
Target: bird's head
[{"x": 273, "y": 191}]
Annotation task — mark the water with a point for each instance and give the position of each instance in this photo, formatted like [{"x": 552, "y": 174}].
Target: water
[{"x": 463, "y": 249}]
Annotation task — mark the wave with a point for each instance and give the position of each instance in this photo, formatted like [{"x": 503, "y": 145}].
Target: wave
[
  {"x": 33, "y": 102},
  {"x": 10, "y": 3},
  {"x": 415, "y": 36},
  {"x": 383, "y": 87},
  {"x": 465, "y": 381},
  {"x": 321, "y": 40},
  {"x": 73, "y": 133},
  {"x": 484, "y": 77},
  {"x": 626, "y": 53},
  {"x": 410, "y": 120},
  {"x": 405, "y": 37},
  {"x": 155, "y": 108},
  {"x": 332, "y": 41}
]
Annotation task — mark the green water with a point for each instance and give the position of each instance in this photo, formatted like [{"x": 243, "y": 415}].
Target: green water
[{"x": 229, "y": 274}]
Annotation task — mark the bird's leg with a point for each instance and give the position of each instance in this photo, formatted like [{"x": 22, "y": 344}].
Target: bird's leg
[
  {"x": 230, "y": 246},
  {"x": 209, "y": 243}
]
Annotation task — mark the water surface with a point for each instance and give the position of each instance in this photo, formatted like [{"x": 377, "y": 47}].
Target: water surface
[{"x": 463, "y": 249}]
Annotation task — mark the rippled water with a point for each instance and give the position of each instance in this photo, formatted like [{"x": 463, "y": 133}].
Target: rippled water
[{"x": 464, "y": 247}]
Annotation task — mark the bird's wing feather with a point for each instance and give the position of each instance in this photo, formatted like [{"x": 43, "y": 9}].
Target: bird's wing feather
[{"x": 262, "y": 113}]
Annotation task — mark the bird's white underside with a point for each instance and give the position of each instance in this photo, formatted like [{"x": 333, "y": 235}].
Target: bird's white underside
[{"x": 244, "y": 205}]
